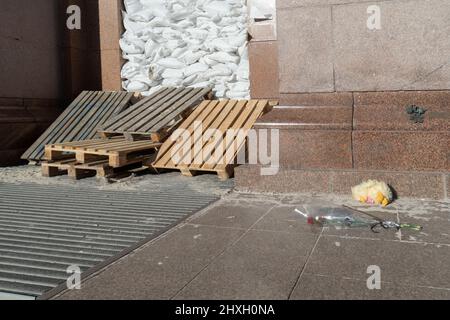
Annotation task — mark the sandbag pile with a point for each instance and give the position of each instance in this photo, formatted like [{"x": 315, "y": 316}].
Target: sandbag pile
[{"x": 192, "y": 43}]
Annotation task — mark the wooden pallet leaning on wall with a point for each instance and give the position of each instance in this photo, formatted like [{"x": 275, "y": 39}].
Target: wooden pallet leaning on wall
[
  {"x": 80, "y": 120},
  {"x": 100, "y": 155},
  {"x": 154, "y": 117},
  {"x": 210, "y": 150}
]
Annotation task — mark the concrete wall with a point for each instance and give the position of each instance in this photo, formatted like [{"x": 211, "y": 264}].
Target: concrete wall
[{"x": 334, "y": 50}]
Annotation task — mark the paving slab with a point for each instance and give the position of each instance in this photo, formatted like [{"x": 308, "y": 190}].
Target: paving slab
[
  {"x": 233, "y": 214},
  {"x": 284, "y": 219},
  {"x": 435, "y": 221},
  {"x": 403, "y": 263},
  {"x": 261, "y": 265},
  {"x": 313, "y": 287},
  {"x": 160, "y": 269}
]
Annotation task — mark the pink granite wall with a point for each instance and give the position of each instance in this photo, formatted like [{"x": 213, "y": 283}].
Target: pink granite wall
[
  {"x": 43, "y": 65},
  {"x": 343, "y": 91}
]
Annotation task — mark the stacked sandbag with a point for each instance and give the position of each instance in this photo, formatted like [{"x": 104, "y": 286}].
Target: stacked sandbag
[{"x": 193, "y": 43}]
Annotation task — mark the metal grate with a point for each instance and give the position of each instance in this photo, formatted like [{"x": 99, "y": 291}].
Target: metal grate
[{"x": 45, "y": 229}]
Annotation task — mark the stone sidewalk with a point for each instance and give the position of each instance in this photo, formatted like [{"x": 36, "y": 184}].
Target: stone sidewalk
[{"x": 256, "y": 247}]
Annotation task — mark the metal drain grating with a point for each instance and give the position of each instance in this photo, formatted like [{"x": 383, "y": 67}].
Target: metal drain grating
[{"x": 45, "y": 229}]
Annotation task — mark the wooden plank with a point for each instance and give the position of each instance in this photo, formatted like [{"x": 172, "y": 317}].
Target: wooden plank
[
  {"x": 100, "y": 114},
  {"x": 60, "y": 134},
  {"x": 145, "y": 111},
  {"x": 153, "y": 115},
  {"x": 162, "y": 154},
  {"x": 245, "y": 126},
  {"x": 170, "y": 113},
  {"x": 160, "y": 112},
  {"x": 79, "y": 120},
  {"x": 136, "y": 112},
  {"x": 85, "y": 117},
  {"x": 229, "y": 123},
  {"x": 220, "y": 124},
  {"x": 189, "y": 104},
  {"x": 196, "y": 148},
  {"x": 56, "y": 126}
]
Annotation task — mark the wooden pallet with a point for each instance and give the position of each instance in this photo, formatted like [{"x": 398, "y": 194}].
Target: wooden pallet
[
  {"x": 157, "y": 115},
  {"x": 117, "y": 151},
  {"x": 80, "y": 120},
  {"x": 77, "y": 171},
  {"x": 191, "y": 148}
]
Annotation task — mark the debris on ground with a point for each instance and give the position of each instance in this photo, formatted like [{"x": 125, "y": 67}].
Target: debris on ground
[
  {"x": 349, "y": 217},
  {"x": 373, "y": 192}
]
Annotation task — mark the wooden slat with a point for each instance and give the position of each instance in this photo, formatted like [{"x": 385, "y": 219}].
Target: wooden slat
[
  {"x": 154, "y": 114},
  {"x": 195, "y": 144},
  {"x": 135, "y": 113},
  {"x": 146, "y": 123},
  {"x": 135, "y": 109},
  {"x": 231, "y": 122},
  {"x": 245, "y": 124},
  {"x": 186, "y": 101},
  {"x": 58, "y": 124},
  {"x": 80, "y": 120},
  {"x": 228, "y": 114},
  {"x": 221, "y": 124},
  {"x": 173, "y": 146}
]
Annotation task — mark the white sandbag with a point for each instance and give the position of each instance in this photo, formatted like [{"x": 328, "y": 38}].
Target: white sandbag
[
  {"x": 239, "y": 87},
  {"x": 190, "y": 80},
  {"x": 223, "y": 57},
  {"x": 221, "y": 45},
  {"x": 142, "y": 16},
  {"x": 195, "y": 68},
  {"x": 237, "y": 95},
  {"x": 201, "y": 84},
  {"x": 155, "y": 72},
  {"x": 171, "y": 63},
  {"x": 133, "y": 6},
  {"x": 134, "y": 47},
  {"x": 173, "y": 73},
  {"x": 171, "y": 82},
  {"x": 136, "y": 86},
  {"x": 158, "y": 7},
  {"x": 150, "y": 48},
  {"x": 192, "y": 57},
  {"x": 186, "y": 43},
  {"x": 178, "y": 52},
  {"x": 214, "y": 8}
]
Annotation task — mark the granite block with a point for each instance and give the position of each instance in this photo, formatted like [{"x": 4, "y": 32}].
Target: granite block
[
  {"x": 263, "y": 57},
  {"x": 316, "y": 99},
  {"x": 387, "y": 110},
  {"x": 249, "y": 178},
  {"x": 316, "y": 149},
  {"x": 308, "y": 118},
  {"x": 386, "y": 150},
  {"x": 305, "y": 50},
  {"x": 401, "y": 55}
]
